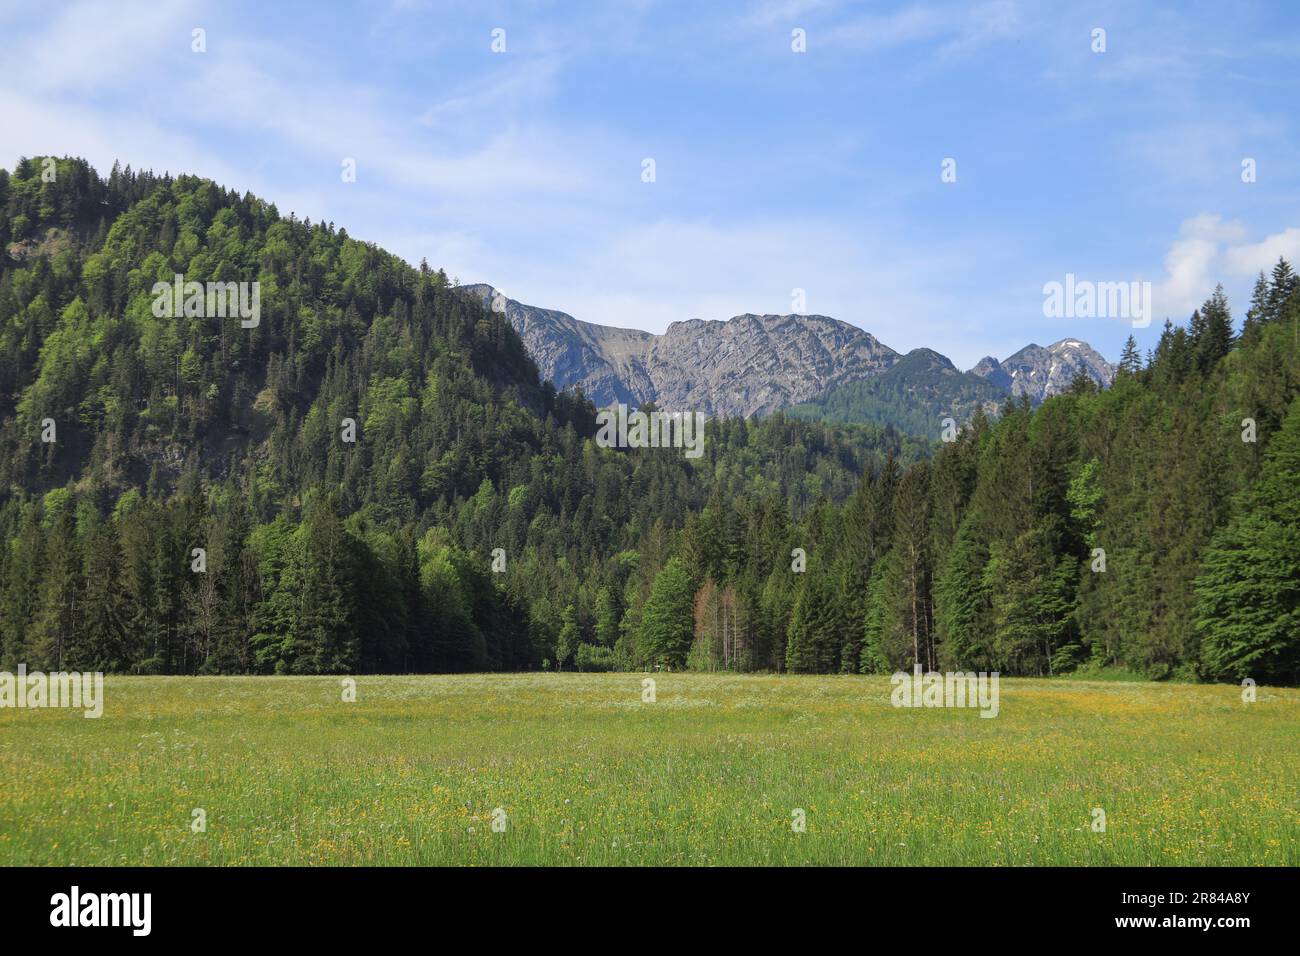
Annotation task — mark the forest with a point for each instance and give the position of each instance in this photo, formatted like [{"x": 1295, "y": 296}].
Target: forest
[{"x": 184, "y": 495}]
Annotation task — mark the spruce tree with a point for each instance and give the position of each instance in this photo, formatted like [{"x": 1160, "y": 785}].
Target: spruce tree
[
  {"x": 962, "y": 609},
  {"x": 1214, "y": 338},
  {"x": 1257, "y": 314},
  {"x": 1284, "y": 282},
  {"x": 325, "y": 638},
  {"x": 1130, "y": 362},
  {"x": 1249, "y": 586}
]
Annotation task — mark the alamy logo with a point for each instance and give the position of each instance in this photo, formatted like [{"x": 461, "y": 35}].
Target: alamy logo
[
  {"x": 215, "y": 300},
  {"x": 103, "y": 909},
  {"x": 1082, "y": 299},
  {"x": 60, "y": 689},
  {"x": 954, "y": 689},
  {"x": 619, "y": 429}
]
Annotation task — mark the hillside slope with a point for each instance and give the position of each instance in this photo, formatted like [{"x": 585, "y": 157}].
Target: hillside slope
[{"x": 914, "y": 395}]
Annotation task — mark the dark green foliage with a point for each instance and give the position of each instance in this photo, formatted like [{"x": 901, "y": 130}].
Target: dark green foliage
[
  {"x": 324, "y": 555},
  {"x": 913, "y": 395},
  {"x": 1249, "y": 586},
  {"x": 791, "y": 544}
]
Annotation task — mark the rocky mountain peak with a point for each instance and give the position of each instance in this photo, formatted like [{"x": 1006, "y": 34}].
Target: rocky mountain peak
[
  {"x": 749, "y": 364},
  {"x": 1042, "y": 372}
]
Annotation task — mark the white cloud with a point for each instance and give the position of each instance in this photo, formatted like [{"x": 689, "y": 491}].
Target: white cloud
[
  {"x": 1250, "y": 259},
  {"x": 89, "y": 44},
  {"x": 1209, "y": 250},
  {"x": 1191, "y": 262}
]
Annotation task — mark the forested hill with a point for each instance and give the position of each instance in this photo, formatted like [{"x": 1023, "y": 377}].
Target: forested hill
[
  {"x": 130, "y": 439},
  {"x": 181, "y": 494},
  {"x": 916, "y": 393}
]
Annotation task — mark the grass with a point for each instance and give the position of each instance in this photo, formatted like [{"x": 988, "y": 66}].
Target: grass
[{"x": 710, "y": 773}]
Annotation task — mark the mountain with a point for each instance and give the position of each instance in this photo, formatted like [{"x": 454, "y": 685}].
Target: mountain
[
  {"x": 914, "y": 395},
  {"x": 750, "y": 364},
  {"x": 816, "y": 366},
  {"x": 1043, "y": 372}
]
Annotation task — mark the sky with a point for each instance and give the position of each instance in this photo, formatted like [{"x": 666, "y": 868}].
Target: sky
[{"x": 773, "y": 170}]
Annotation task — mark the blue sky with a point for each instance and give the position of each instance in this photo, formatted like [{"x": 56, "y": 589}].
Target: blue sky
[{"x": 774, "y": 170}]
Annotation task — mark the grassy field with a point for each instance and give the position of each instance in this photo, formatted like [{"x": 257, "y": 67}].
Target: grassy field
[{"x": 710, "y": 773}]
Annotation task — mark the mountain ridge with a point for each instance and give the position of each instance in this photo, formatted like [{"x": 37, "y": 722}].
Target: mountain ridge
[
  {"x": 749, "y": 364},
  {"x": 756, "y": 364}
]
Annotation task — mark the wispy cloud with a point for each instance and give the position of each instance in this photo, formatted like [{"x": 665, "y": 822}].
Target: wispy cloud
[
  {"x": 945, "y": 30},
  {"x": 776, "y": 171},
  {"x": 87, "y": 44}
]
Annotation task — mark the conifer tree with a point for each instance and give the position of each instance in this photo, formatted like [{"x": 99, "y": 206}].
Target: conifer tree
[
  {"x": 1130, "y": 362},
  {"x": 325, "y": 638},
  {"x": 1249, "y": 586},
  {"x": 1283, "y": 283},
  {"x": 103, "y": 643},
  {"x": 962, "y": 610},
  {"x": 1214, "y": 338},
  {"x": 1257, "y": 314}
]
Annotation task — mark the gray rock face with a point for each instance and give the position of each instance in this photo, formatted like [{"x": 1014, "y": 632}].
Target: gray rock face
[
  {"x": 989, "y": 368},
  {"x": 1043, "y": 372},
  {"x": 606, "y": 362},
  {"x": 750, "y": 364},
  {"x": 753, "y": 364}
]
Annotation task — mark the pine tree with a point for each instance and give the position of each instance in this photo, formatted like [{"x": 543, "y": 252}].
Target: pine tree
[
  {"x": 894, "y": 633},
  {"x": 1130, "y": 362},
  {"x": 962, "y": 608},
  {"x": 58, "y": 624},
  {"x": 1257, "y": 314},
  {"x": 802, "y": 634},
  {"x": 103, "y": 642},
  {"x": 813, "y": 636},
  {"x": 1173, "y": 359},
  {"x": 1283, "y": 284},
  {"x": 1249, "y": 587},
  {"x": 22, "y": 567},
  {"x": 1032, "y": 602},
  {"x": 1214, "y": 339},
  {"x": 325, "y": 638},
  {"x": 876, "y": 656}
]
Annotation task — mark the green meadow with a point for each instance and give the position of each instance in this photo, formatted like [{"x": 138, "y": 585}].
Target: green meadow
[{"x": 711, "y": 773}]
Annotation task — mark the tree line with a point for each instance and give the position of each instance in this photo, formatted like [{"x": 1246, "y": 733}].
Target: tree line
[{"x": 201, "y": 510}]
